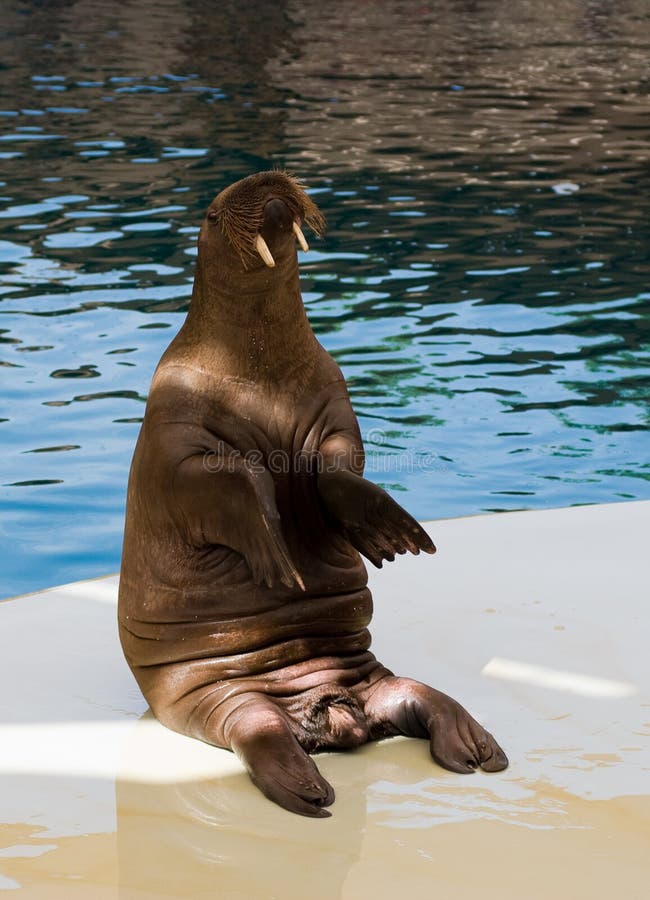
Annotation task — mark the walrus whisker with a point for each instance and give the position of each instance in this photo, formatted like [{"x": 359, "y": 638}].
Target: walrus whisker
[
  {"x": 297, "y": 230},
  {"x": 263, "y": 249}
]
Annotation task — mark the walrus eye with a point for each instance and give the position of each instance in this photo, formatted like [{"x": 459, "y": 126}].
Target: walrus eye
[{"x": 213, "y": 216}]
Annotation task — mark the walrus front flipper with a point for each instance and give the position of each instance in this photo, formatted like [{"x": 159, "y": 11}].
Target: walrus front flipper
[
  {"x": 234, "y": 505},
  {"x": 371, "y": 520},
  {"x": 262, "y": 738}
]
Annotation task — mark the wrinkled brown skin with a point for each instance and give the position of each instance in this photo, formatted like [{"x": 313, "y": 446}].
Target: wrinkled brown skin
[{"x": 224, "y": 642}]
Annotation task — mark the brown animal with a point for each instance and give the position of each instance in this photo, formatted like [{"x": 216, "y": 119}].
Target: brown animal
[{"x": 243, "y": 604}]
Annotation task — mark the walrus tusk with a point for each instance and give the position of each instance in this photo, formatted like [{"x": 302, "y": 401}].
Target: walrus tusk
[
  {"x": 297, "y": 230},
  {"x": 263, "y": 249}
]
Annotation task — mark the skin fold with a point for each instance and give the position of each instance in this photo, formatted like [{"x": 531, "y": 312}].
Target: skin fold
[{"x": 243, "y": 606}]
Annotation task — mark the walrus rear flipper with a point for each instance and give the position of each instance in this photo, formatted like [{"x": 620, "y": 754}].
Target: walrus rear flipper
[
  {"x": 369, "y": 517},
  {"x": 261, "y": 736}
]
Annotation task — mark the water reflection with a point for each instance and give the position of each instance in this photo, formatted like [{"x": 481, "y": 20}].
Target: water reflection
[
  {"x": 218, "y": 835},
  {"x": 395, "y": 813},
  {"x": 187, "y": 836},
  {"x": 484, "y": 279}
]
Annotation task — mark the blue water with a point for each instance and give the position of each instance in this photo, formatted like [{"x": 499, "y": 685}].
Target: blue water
[{"x": 484, "y": 280}]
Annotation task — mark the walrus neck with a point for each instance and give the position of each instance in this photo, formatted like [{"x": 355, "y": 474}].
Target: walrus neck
[{"x": 262, "y": 334}]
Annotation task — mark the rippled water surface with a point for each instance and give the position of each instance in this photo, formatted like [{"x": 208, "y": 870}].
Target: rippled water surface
[{"x": 483, "y": 282}]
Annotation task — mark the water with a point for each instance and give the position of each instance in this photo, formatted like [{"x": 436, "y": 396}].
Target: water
[{"x": 483, "y": 281}]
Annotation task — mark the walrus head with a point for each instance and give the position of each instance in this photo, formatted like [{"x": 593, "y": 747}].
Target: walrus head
[
  {"x": 246, "y": 304},
  {"x": 257, "y": 215}
]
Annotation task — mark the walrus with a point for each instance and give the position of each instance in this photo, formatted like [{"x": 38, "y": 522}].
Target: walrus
[{"x": 243, "y": 602}]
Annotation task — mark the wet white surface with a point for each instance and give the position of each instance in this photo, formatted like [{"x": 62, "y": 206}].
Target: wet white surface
[{"x": 536, "y": 621}]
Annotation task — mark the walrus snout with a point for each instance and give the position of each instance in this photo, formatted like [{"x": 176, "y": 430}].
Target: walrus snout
[
  {"x": 279, "y": 220},
  {"x": 253, "y": 210},
  {"x": 277, "y": 216}
]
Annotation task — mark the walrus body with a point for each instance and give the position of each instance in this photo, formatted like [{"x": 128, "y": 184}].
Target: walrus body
[{"x": 243, "y": 607}]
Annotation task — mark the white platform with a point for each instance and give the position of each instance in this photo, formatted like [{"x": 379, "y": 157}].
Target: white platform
[{"x": 536, "y": 621}]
